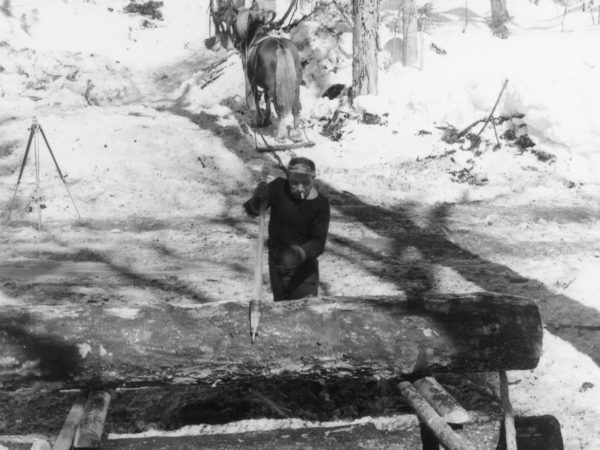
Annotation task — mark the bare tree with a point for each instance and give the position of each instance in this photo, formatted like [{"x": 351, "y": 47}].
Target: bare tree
[
  {"x": 499, "y": 12},
  {"x": 410, "y": 53},
  {"x": 365, "y": 47},
  {"x": 6, "y": 8}
]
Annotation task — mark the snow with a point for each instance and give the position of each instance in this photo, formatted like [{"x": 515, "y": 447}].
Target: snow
[
  {"x": 137, "y": 137},
  {"x": 381, "y": 423}
]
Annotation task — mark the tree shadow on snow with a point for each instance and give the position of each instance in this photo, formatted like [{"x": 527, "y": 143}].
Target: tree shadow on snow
[
  {"x": 435, "y": 248},
  {"x": 404, "y": 235}
]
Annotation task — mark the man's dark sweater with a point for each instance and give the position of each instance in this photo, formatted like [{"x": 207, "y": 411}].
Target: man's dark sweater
[{"x": 294, "y": 222}]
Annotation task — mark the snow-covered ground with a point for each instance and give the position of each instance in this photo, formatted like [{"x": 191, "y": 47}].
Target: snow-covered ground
[{"x": 139, "y": 136}]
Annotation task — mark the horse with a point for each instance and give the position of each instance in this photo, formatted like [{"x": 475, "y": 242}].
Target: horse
[
  {"x": 272, "y": 66},
  {"x": 222, "y": 13}
]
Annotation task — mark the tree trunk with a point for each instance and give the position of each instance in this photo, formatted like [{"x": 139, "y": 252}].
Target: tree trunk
[
  {"x": 364, "y": 62},
  {"x": 324, "y": 337},
  {"x": 410, "y": 43},
  {"x": 499, "y": 12}
]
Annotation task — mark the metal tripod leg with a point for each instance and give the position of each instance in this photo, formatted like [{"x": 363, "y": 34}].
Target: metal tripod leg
[
  {"x": 58, "y": 169},
  {"x": 31, "y": 133}
]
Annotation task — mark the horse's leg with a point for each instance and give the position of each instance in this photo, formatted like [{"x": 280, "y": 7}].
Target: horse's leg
[
  {"x": 259, "y": 115},
  {"x": 294, "y": 133},
  {"x": 268, "y": 100}
]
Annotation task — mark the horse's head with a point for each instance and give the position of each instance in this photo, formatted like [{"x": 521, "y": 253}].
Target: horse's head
[{"x": 247, "y": 23}]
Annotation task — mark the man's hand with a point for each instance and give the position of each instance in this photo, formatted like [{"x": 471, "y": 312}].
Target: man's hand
[
  {"x": 262, "y": 191},
  {"x": 293, "y": 256}
]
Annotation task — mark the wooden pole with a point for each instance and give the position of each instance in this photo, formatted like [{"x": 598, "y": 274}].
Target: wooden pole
[
  {"x": 509, "y": 419},
  {"x": 89, "y": 431},
  {"x": 67, "y": 433},
  {"x": 255, "y": 304},
  {"x": 494, "y": 108},
  {"x": 425, "y": 412},
  {"x": 444, "y": 404}
]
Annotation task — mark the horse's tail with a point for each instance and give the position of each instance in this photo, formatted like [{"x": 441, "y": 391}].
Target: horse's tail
[{"x": 286, "y": 85}]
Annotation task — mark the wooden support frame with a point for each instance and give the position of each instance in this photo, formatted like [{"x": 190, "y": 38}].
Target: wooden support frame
[{"x": 431, "y": 419}]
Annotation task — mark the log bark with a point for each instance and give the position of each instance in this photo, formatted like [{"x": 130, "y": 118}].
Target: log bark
[
  {"x": 444, "y": 404},
  {"x": 325, "y": 337}
]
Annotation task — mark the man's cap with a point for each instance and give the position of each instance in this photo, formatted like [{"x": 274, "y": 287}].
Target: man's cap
[{"x": 302, "y": 165}]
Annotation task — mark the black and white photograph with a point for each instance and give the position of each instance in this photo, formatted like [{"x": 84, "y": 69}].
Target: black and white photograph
[{"x": 300, "y": 224}]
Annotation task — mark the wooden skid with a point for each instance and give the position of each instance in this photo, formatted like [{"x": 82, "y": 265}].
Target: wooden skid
[
  {"x": 431, "y": 419},
  {"x": 444, "y": 404},
  {"x": 67, "y": 433},
  {"x": 89, "y": 431}
]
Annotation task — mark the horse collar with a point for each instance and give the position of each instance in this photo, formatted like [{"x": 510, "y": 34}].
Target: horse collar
[{"x": 254, "y": 43}]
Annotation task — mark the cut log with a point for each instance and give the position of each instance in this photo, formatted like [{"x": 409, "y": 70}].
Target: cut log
[
  {"x": 67, "y": 433},
  {"x": 89, "y": 431},
  {"x": 431, "y": 419},
  {"x": 443, "y": 403},
  {"x": 538, "y": 433},
  {"x": 336, "y": 336},
  {"x": 535, "y": 433}
]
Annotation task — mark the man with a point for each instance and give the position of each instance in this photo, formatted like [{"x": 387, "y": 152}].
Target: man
[{"x": 297, "y": 229}]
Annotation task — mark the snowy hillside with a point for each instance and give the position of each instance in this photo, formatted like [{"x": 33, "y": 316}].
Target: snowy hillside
[{"x": 149, "y": 125}]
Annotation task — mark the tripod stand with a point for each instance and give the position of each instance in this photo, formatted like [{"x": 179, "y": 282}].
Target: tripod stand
[{"x": 35, "y": 130}]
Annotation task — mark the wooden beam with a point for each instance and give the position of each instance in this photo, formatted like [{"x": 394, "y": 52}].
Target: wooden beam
[
  {"x": 89, "y": 431},
  {"x": 67, "y": 433},
  {"x": 443, "y": 403},
  {"x": 430, "y": 418},
  {"x": 325, "y": 337},
  {"x": 40, "y": 444}
]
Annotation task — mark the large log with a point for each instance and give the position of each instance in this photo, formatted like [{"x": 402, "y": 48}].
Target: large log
[{"x": 336, "y": 336}]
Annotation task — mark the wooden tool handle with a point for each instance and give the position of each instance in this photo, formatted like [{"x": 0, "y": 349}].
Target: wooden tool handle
[{"x": 260, "y": 243}]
